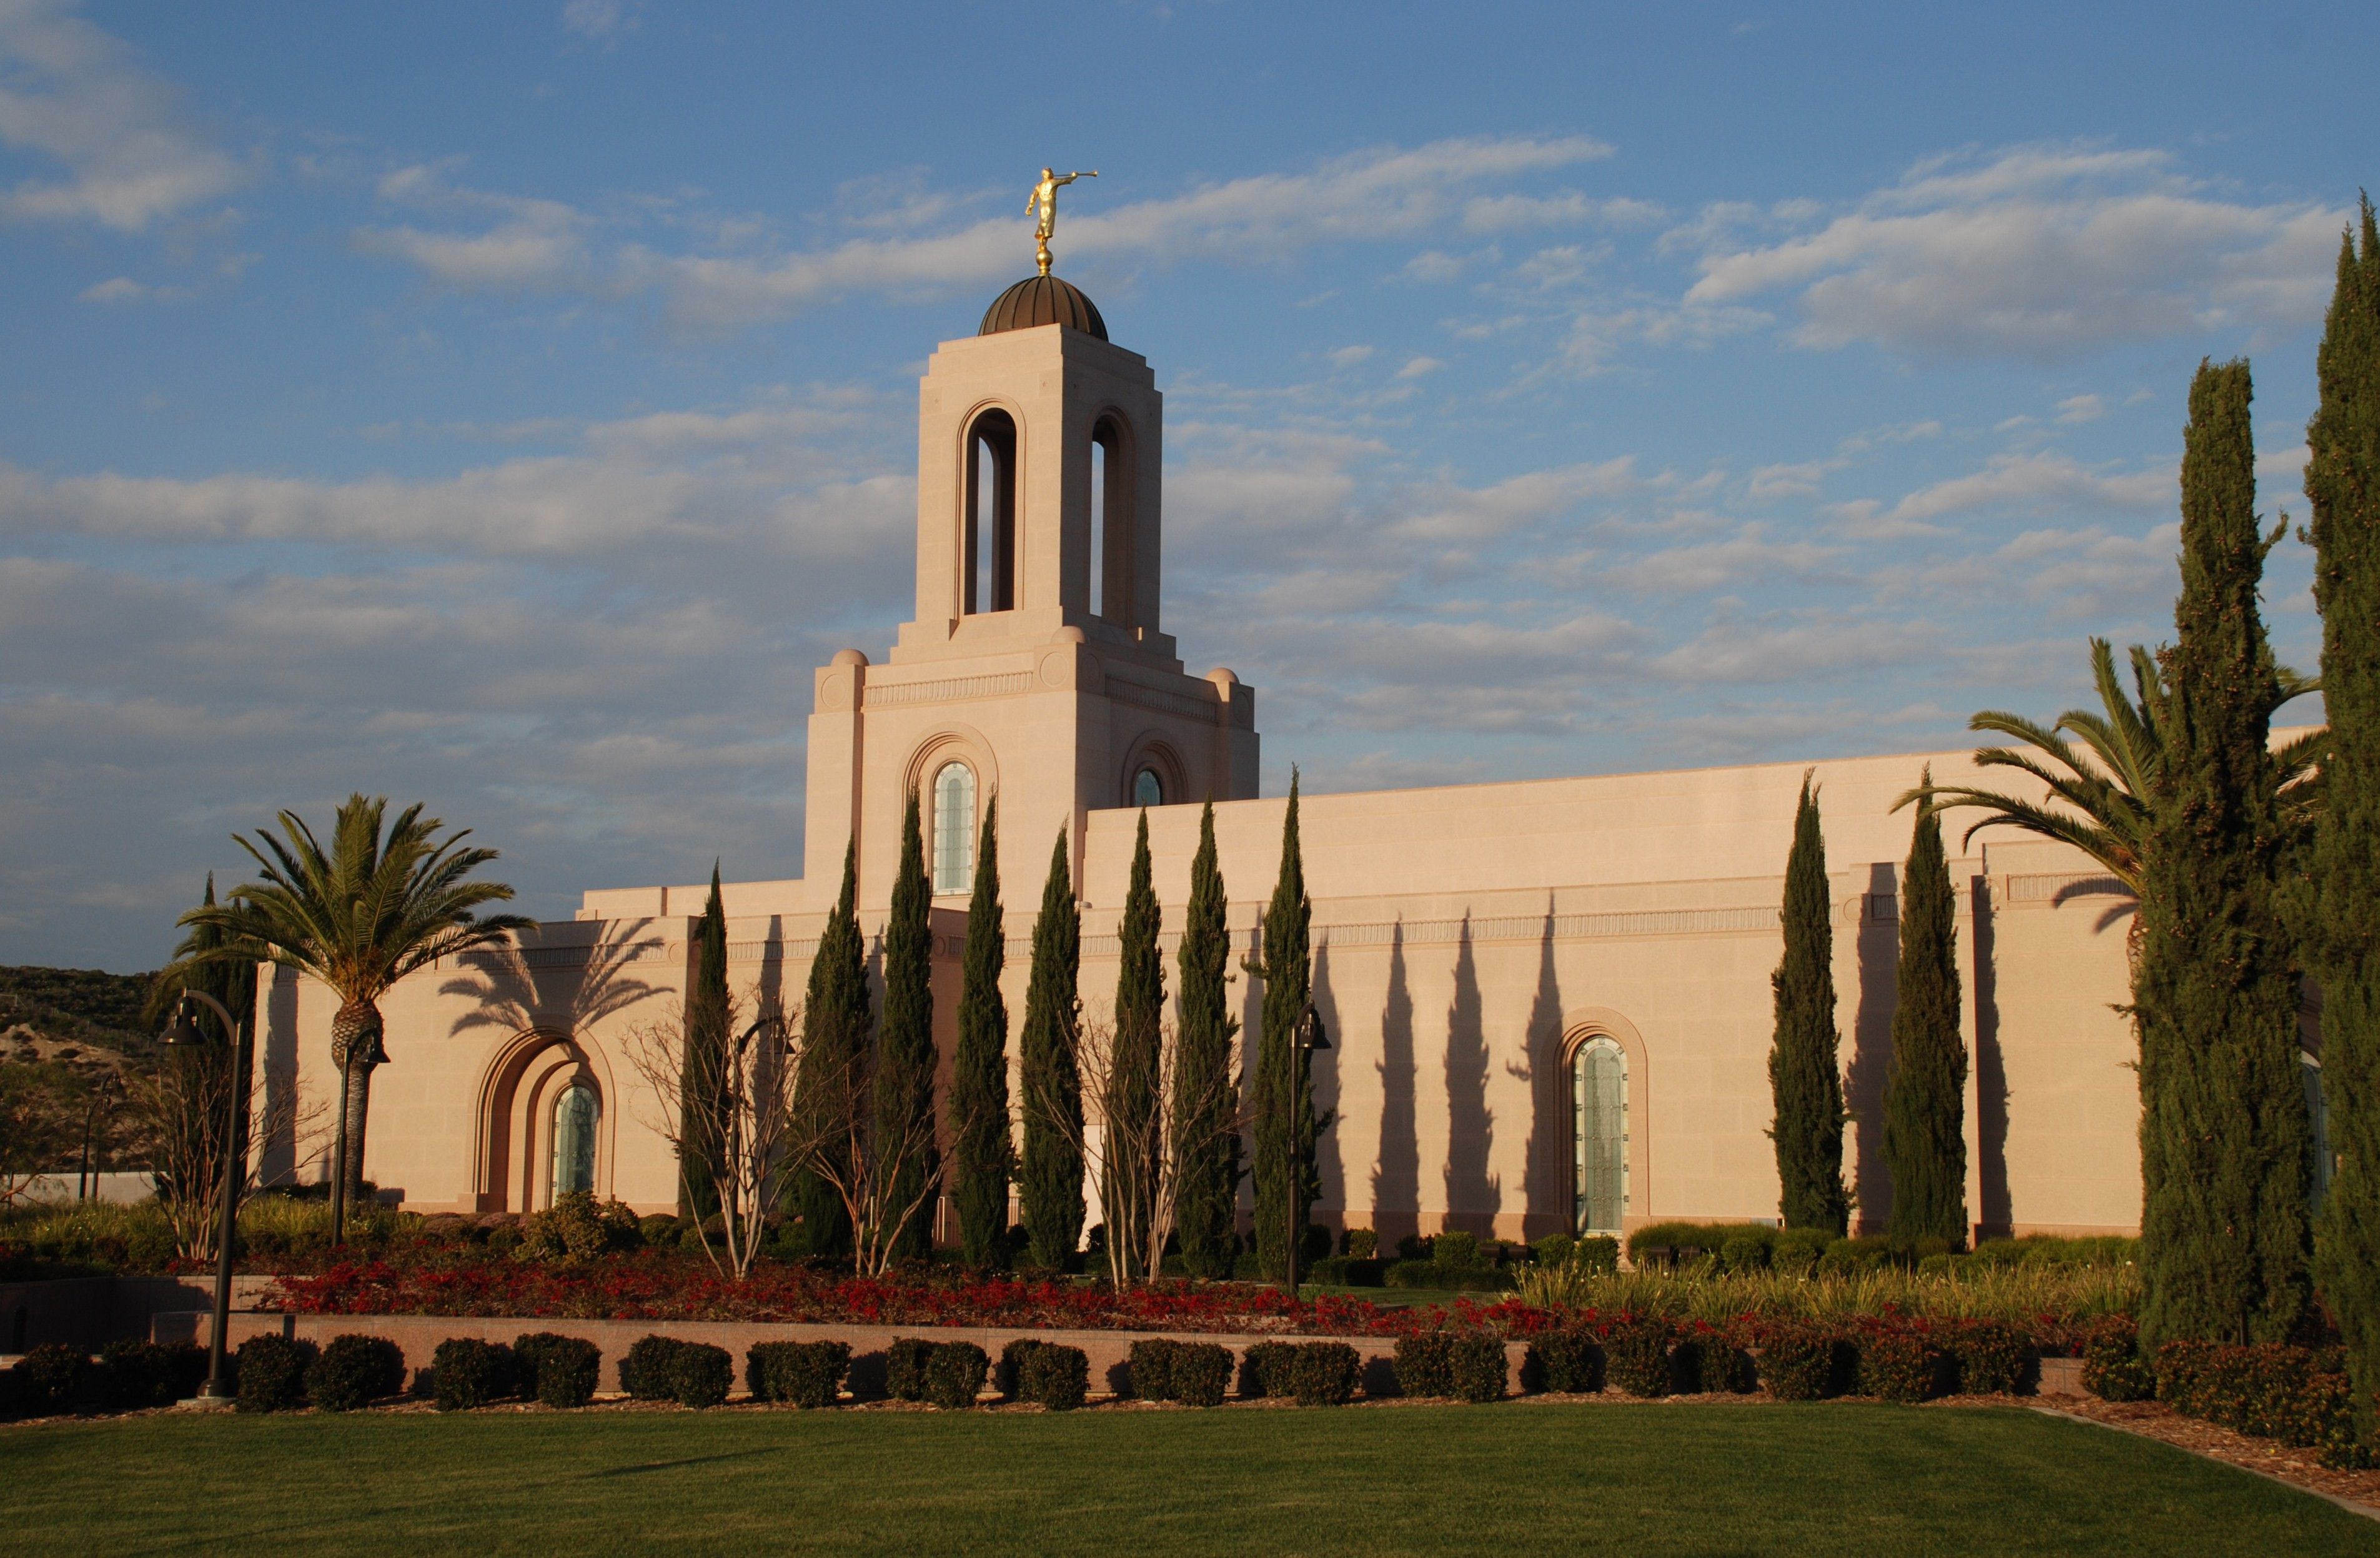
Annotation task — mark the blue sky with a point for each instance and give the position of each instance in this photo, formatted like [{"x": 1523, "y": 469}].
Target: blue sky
[{"x": 506, "y": 406}]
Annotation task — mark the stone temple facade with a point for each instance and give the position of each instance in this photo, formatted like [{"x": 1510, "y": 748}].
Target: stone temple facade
[{"x": 1550, "y": 1000}]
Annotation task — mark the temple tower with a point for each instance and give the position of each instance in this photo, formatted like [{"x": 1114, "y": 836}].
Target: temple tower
[{"x": 1035, "y": 664}]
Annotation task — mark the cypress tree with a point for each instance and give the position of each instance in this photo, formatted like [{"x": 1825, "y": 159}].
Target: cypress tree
[
  {"x": 1205, "y": 1146},
  {"x": 1925, "y": 1093},
  {"x": 1287, "y": 970},
  {"x": 1050, "y": 1185},
  {"x": 980, "y": 1151},
  {"x": 2342, "y": 482},
  {"x": 1134, "y": 1145},
  {"x": 702, "y": 1076},
  {"x": 905, "y": 1047},
  {"x": 2225, "y": 1241},
  {"x": 1803, "y": 1079},
  {"x": 834, "y": 1036}
]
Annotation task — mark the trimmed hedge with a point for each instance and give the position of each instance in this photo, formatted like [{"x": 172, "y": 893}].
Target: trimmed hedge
[
  {"x": 804, "y": 1374},
  {"x": 1708, "y": 1360},
  {"x": 1990, "y": 1356},
  {"x": 2112, "y": 1366},
  {"x": 272, "y": 1373},
  {"x": 466, "y": 1372},
  {"x": 137, "y": 1374},
  {"x": 1425, "y": 1363},
  {"x": 1049, "y": 1374},
  {"x": 1450, "y": 1276},
  {"x": 1476, "y": 1367},
  {"x": 701, "y": 1375},
  {"x": 1348, "y": 1271},
  {"x": 50, "y": 1378},
  {"x": 1797, "y": 1362},
  {"x": 1267, "y": 1365},
  {"x": 1150, "y": 1371},
  {"x": 1636, "y": 1357},
  {"x": 354, "y": 1371},
  {"x": 559, "y": 1372},
  {"x": 1900, "y": 1365},
  {"x": 2298, "y": 1395},
  {"x": 955, "y": 1374},
  {"x": 1202, "y": 1373},
  {"x": 649, "y": 1372},
  {"x": 904, "y": 1368},
  {"x": 1566, "y": 1362},
  {"x": 1323, "y": 1373}
]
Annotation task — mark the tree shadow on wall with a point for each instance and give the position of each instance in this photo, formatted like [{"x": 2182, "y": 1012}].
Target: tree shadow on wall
[
  {"x": 1545, "y": 1159},
  {"x": 1876, "y": 966},
  {"x": 1474, "y": 1195},
  {"x": 1330, "y": 1174},
  {"x": 1396, "y": 1173},
  {"x": 514, "y": 988}
]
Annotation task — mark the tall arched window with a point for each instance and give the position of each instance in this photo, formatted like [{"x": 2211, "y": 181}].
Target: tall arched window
[
  {"x": 1112, "y": 537},
  {"x": 990, "y": 560},
  {"x": 575, "y": 1113},
  {"x": 1599, "y": 1082},
  {"x": 954, "y": 828}
]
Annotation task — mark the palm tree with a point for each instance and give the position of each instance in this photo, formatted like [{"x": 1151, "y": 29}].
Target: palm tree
[
  {"x": 2105, "y": 800},
  {"x": 360, "y": 918}
]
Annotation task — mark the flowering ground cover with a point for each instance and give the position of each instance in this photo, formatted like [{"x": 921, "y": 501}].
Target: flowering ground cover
[{"x": 1547, "y": 1478}]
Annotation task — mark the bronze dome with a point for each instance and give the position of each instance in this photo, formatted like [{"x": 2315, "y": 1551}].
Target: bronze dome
[{"x": 1043, "y": 301}]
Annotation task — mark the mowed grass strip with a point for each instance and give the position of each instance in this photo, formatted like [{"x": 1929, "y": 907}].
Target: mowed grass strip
[{"x": 1544, "y": 1478}]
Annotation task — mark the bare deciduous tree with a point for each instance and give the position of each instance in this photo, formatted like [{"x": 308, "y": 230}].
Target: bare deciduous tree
[
  {"x": 835, "y": 1138},
  {"x": 185, "y": 1107},
  {"x": 748, "y": 1136}
]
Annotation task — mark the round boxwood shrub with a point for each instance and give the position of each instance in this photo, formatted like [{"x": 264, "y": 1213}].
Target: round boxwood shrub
[
  {"x": 1899, "y": 1366},
  {"x": 1268, "y": 1367},
  {"x": 1476, "y": 1367},
  {"x": 1636, "y": 1357},
  {"x": 700, "y": 1375},
  {"x": 955, "y": 1374},
  {"x": 271, "y": 1371},
  {"x": 1323, "y": 1373},
  {"x": 557, "y": 1371},
  {"x": 1990, "y": 1356},
  {"x": 466, "y": 1372},
  {"x": 49, "y": 1378},
  {"x": 135, "y": 1374},
  {"x": 1202, "y": 1372},
  {"x": 354, "y": 1371},
  {"x": 1797, "y": 1362},
  {"x": 807, "y": 1374},
  {"x": 1152, "y": 1370},
  {"x": 1742, "y": 1253},
  {"x": 904, "y": 1368},
  {"x": 1566, "y": 1362},
  {"x": 649, "y": 1371},
  {"x": 1055, "y": 1377},
  {"x": 2112, "y": 1366},
  {"x": 1425, "y": 1363}
]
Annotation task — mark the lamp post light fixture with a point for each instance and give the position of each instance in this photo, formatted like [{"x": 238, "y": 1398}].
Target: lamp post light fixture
[
  {"x": 1306, "y": 1038},
  {"x": 186, "y": 1034}
]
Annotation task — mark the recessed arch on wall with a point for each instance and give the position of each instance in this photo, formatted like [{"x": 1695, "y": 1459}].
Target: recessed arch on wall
[
  {"x": 925, "y": 775},
  {"x": 539, "y": 1083},
  {"x": 991, "y": 476},
  {"x": 1608, "y": 1084},
  {"x": 1153, "y": 754}
]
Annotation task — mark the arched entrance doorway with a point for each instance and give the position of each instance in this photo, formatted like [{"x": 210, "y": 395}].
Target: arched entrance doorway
[{"x": 544, "y": 1130}]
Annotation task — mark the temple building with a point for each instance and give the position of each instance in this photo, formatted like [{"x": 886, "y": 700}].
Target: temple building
[{"x": 1549, "y": 1002}]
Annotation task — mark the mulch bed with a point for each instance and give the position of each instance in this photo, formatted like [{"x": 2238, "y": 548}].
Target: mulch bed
[{"x": 2299, "y": 1467}]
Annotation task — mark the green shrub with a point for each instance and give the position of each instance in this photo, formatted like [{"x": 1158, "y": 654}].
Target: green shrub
[
  {"x": 1742, "y": 1252},
  {"x": 1554, "y": 1249},
  {"x": 700, "y": 1375},
  {"x": 558, "y": 1370},
  {"x": 1705, "y": 1239},
  {"x": 904, "y": 1368},
  {"x": 806, "y": 1374},
  {"x": 1706, "y": 1360},
  {"x": 1323, "y": 1373},
  {"x": 1348, "y": 1271},
  {"x": 1566, "y": 1362},
  {"x": 1476, "y": 1367},
  {"x": 1941, "y": 1263},
  {"x": 577, "y": 1227},
  {"x": 50, "y": 1378},
  {"x": 1202, "y": 1373},
  {"x": 1455, "y": 1248},
  {"x": 272, "y": 1373},
  {"x": 1597, "y": 1252},
  {"x": 1054, "y": 1376},
  {"x": 2112, "y": 1366},
  {"x": 1899, "y": 1366},
  {"x": 466, "y": 1372},
  {"x": 649, "y": 1371},
  {"x": 1359, "y": 1244},
  {"x": 1844, "y": 1255},
  {"x": 353, "y": 1371},
  {"x": 1636, "y": 1357},
  {"x": 955, "y": 1374},
  {"x": 1438, "y": 1274},
  {"x": 1797, "y": 1362},
  {"x": 133, "y": 1374},
  {"x": 658, "y": 1230},
  {"x": 1990, "y": 1355},
  {"x": 1151, "y": 1371},
  {"x": 1425, "y": 1363},
  {"x": 2271, "y": 1391},
  {"x": 1268, "y": 1367}
]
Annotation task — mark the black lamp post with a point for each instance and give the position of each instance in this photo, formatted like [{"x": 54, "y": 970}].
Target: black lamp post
[
  {"x": 1305, "y": 1039},
  {"x": 185, "y": 1034}
]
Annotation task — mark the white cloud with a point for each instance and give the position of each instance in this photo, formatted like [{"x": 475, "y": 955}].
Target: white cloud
[
  {"x": 1347, "y": 356},
  {"x": 2081, "y": 408},
  {"x": 533, "y": 243},
  {"x": 2039, "y": 252},
  {"x": 1416, "y": 368},
  {"x": 599, "y": 18},
  {"x": 2033, "y": 482},
  {"x": 115, "y": 289},
  {"x": 76, "y": 95}
]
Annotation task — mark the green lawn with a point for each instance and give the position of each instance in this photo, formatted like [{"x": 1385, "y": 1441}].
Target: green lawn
[{"x": 1550, "y": 1477}]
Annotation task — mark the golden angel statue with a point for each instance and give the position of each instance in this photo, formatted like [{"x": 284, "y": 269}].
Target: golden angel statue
[{"x": 1043, "y": 205}]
